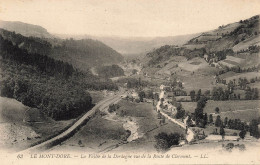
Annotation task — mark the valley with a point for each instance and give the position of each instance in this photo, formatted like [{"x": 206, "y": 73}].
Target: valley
[{"x": 188, "y": 92}]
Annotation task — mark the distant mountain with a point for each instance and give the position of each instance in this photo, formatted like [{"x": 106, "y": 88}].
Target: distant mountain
[
  {"x": 82, "y": 54},
  {"x": 25, "y": 29},
  {"x": 134, "y": 46}
]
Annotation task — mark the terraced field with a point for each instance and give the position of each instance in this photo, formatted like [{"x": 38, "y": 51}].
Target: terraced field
[{"x": 193, "y": 64}]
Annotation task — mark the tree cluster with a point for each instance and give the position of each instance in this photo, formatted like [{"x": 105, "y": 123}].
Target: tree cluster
[
  {"x": 164, "y": 141},
  {"x": 198, "y": 114},
  {"x": 237, "y": 124},
  {"x": 220, "y": 94},
  {"x": 252, "y": 93},
  {"x": 113, "y": 108},
  {"x": 180, "y": 111},
  {"x": 57, "y": 98}
]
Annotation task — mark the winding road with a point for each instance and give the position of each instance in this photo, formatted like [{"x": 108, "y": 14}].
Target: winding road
[
  {"x": 70, "y": 131},
  {"x": 190, "y": 133}
]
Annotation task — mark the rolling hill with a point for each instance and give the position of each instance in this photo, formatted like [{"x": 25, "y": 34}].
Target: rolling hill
[
  {"x": 135, "y": 46},
  {"x": 229, "y": 48},
  {"x": 25, "y": 29},
  {"x": 238, "y": 39},
  {"x": 82, "y": 54}
]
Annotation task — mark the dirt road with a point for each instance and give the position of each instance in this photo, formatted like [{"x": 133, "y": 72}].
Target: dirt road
[{"x": 190, "y": 133}]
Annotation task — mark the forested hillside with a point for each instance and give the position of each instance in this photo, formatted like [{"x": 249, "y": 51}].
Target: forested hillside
[
  {"x": 53, "y": 86},
  {"x": 110, "y": 71},
  {"x": 85, "y": 53},
  {"x": 82, "y": 54}
]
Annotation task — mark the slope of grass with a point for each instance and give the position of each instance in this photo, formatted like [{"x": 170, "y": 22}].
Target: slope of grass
[
  {"x": 247, "y": 75},
  {"x": 21, "y": 126},
  {"x": 148, "y": 122},
  {"x": 231, "y": 105},
  {"x": 11, "y": 110}
]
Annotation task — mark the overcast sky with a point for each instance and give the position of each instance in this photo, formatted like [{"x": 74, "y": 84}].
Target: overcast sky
[{"x": 128, "y": 17}]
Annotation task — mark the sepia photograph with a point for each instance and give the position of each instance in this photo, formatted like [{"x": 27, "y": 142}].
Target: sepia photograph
[{"x": 129, "y": 82}]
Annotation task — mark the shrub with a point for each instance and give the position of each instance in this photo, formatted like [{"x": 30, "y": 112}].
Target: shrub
[
  {"x": 229, "y": 147},
  {"x": 242, "y": 147},
  {"x": 113, "y": 108}
]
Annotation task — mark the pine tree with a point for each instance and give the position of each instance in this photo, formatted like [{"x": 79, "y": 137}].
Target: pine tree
[
  {"x": 218, "y": 121},
  {"x": 222, "y": 131},
  {"x": 210, "y": 118},
  {"x": 253, "y": 128},
  {"x": 225, "y": 121},
  {"x": 242, "y": 134},
  {"x": 205, "y": 119},
  {"x": 198, "y": 95},
  {"x": 192, "y": 95}
]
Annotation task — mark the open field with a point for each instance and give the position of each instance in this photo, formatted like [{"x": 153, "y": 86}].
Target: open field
[
  {"x": 198, "y": 81},
  {"x": 244, "y": 109},
  {"x": 205, "y": 38},
  {"x": 11, "y": 110},
  {"x": 100, "y": 134},
  {"x": 189, "y": 106},
  {"x": 193, "y": 46},
  {"x": 208, "y": 71},
  {"x": 96, "y": 135},
  {"x": 242, "y": 93},
  {"x": 232, "y": 61},
  {"x": 231, "y": 105},
  {"x": 22, "y": 126},
  {"x": 209, "y": 129},
  {"x": 255, "y": 85},
  {"x": 231, "y": 75},
  {"x": 250, "y": 60},
  {"x": 183, "y": 98},
  {"x": 247, "y": 115},
  {"x": 228, "y": 63},
  {"x": 235, "y": 59},
  {"x": 246, "y": 43},
  {"x": 193, "y": 64},
  {"x": 15, "y": 134},
  {"x": 143, "y": 111},
  {"x": 103, "y": 135},
  {"x": 172, "y": 65},
  {"x": 147, "y": 119}
]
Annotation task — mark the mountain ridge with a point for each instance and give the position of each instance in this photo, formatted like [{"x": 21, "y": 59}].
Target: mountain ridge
[
  {"x": 82, "y": 54},
  {"x": 234, "y": 37},
  {"x": 25, "y": 29}
]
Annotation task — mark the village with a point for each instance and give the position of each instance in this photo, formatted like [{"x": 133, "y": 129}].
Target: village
[{"x": 168, "y": 108}]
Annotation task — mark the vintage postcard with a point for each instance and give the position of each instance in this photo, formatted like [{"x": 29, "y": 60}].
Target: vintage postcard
[{"x": 129, "y": 82}]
